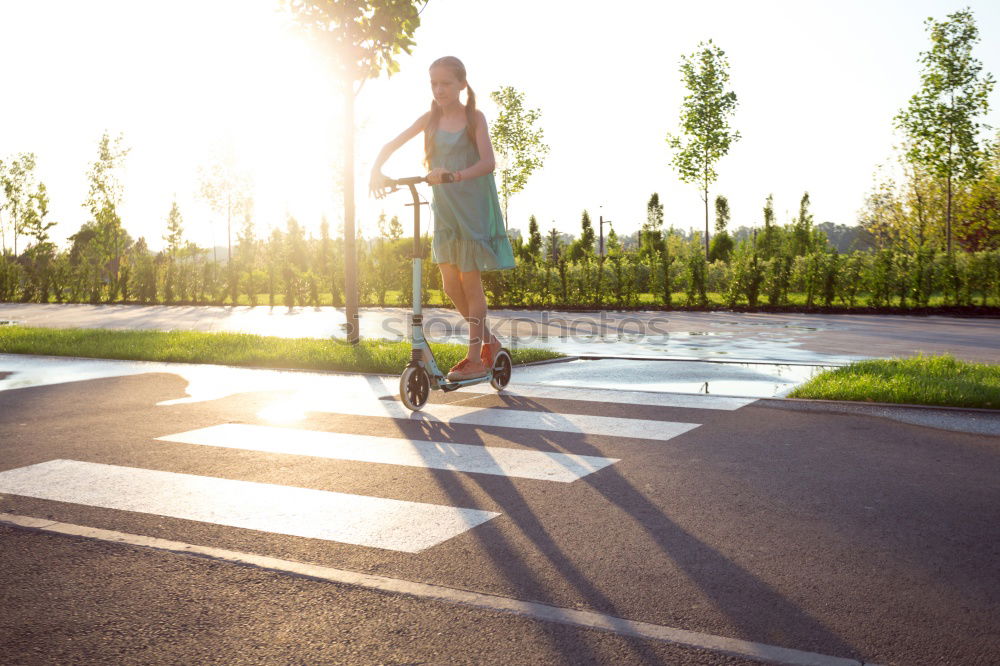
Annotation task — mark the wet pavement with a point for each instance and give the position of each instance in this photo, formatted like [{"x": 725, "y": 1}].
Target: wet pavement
[
  {"x": 723, "y": 353},
  {"x": 762, "y": 380}
]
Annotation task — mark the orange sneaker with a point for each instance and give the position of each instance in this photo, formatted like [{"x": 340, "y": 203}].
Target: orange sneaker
[
  {"x": 467, "y": 371},
  {"x": 458, "y": 366},
  {"x": 489, "y": 352}
]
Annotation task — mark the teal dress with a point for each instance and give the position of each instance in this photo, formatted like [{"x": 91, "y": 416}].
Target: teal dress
[{"x": 468, "y": 225}]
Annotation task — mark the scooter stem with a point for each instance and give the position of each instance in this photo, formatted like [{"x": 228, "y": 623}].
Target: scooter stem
[{"x": 417, "y": 255}]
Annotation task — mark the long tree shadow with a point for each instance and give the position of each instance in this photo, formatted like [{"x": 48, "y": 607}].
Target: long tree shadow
[
  {"x": 503, "y": 553},
  {"x": 754, "y": 608}
]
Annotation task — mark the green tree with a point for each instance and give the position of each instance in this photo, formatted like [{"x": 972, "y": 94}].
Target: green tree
[
  {"x": 583, "y": 247},
  {"x": 802, "y": 229},
  {"x": 771, "y": 240},
  {"x": 175, "y": 230},
  {"x": 246, "y": 252},
  {"x": 722, "y": 244},
  {"x": 651, "y": 234},
  {"x": 552, "y": 245},
  {"x": 40, "y": 255},
  {"x": 517, "y": 141},
  {"x": 697, "y": 278},
  {"x": 980, "y": 208},
  {"x": 704, "y": 120},
  {"x": 104, "y": 197},
  {"x": 35, "y": 225},
  {"x": 362, "y": 39},
  {"x": 226, "y": 188},
  {"x": 940, "y": 119},
  {"x": 534, "y": 244},
  {"x": 17, "y": 182},
  {"x": 175, "y": 245}
]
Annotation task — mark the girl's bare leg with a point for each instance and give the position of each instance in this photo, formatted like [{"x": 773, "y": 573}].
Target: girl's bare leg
[
  {"x": 454, "y": 283},
  {"x": 451, "y": 280},
  {"x": 475, "y": 300}
]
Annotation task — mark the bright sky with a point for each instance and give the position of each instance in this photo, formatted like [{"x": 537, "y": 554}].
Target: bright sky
[{"x": 818, "y": 84}]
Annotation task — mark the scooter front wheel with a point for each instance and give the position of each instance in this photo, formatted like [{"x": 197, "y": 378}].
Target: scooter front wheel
[
  {"x": 414, "y": 387},
  {"x": 502, "y": 365}
]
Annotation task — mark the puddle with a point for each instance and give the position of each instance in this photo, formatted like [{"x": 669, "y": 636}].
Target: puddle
[{"x": 756, "y": 380}]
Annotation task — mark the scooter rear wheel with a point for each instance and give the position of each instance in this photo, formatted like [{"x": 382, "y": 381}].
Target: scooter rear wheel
[
  {"x": 414, "y": 387},
  {"x": 502, "y": 365}
]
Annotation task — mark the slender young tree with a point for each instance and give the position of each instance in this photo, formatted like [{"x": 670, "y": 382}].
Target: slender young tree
[
  {"x": 552, "y": 246},
  {"x": 246, "y": 250},
  {"x": 226, "y": 188},
  {"x": 17, "y": 181},
  {"x": 362, "y": 38},
  {"x": 534, "y": 245},
  {"x": 517, "y": 141},
  {"x": 704, "y": 119},
  {"x": 651, "y": 235},
  {"x": 175, "y": 231},
  {"x": 802, "y": 229},
  {"x": 940, "y": 119},
  {"x": 770, "y": 241},
  {"x": 3, "y": 207},
  {"x": 104, "y": 198},
  {"x": 722, "y": 244},
  {"x": 584, "y": 245},
  {"x": 40, "y": 254}
]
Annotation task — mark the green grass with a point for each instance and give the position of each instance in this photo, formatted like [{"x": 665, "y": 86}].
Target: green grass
[
  {"x": 922, "y": 380},
  {"x": 378, "y": 356}
]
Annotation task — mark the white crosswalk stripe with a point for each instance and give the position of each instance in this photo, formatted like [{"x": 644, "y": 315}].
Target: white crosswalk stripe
[
  {"x": 540, "y": 465},
  {"x": 318, "y": 514},
  {"x": 618, "y": 396},
  {"x": 585, "y": 424}
]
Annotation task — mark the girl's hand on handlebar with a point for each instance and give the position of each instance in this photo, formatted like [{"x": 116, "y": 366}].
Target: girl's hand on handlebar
[
  {"x": 377, "y": 185},
  {"x": 436, "y": 176}
]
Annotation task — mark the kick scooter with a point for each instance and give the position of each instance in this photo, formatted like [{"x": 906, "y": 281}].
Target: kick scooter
[{"x": 422, "y": 374}]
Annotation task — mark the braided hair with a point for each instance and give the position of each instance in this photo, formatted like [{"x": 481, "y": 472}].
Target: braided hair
[{"x": 458, "y": 69}]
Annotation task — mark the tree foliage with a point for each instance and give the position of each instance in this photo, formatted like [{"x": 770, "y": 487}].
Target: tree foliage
[
  {"x": 361, "y": 37},
  {"x": 17, "y": 179},
  {"x": 940, "y": 119},
  {"x": 705, "y": 111},
  {"x": 517, "y": 141}
]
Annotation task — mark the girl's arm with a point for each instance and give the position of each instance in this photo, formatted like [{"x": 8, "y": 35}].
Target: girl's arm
[
  {"x": 376, "y": 184},
  {"x": 487, "y": 162}
]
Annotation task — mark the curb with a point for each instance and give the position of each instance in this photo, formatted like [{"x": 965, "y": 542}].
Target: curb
[{"x": 969, "y": 411}]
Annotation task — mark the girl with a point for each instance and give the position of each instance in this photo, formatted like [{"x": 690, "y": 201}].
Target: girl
[{"x": 469, "y": 232}]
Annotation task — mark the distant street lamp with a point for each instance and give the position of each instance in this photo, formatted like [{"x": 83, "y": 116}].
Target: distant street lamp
[{"x": 601, "y": 226}]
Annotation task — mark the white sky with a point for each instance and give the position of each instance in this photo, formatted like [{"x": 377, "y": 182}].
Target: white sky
[{"x": 818, "y": 84}]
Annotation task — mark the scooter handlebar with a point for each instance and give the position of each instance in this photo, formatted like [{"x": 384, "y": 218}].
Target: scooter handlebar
[{"x": 416, "y": 180}]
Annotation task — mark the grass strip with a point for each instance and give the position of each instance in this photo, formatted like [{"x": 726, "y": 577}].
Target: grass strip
[
  {"x": 922, "y": 380},
  {"x": 240, "y": 349}
]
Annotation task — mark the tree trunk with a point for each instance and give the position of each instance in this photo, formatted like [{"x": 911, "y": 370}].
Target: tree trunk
[
  {"x": 706, "y": 223},
  {"x": 229, "y": 229},
  {"x": 706, "y": 204},
  {"x": 948, "y": 210},
  {"x": 350, "y": 254},
  {"x": 948, "y": 213}
]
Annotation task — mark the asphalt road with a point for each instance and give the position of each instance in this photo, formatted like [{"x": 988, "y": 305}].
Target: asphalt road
[{"x": 841, "y": 535}]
